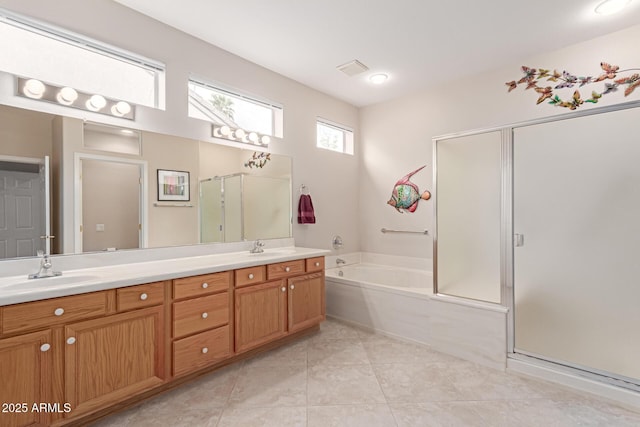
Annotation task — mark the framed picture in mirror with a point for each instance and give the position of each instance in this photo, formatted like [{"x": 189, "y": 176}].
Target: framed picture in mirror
[{"x": 173, "y": 186}]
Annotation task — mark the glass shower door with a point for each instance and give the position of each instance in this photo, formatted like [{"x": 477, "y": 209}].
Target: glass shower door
[{"x": 577, "y": 250}]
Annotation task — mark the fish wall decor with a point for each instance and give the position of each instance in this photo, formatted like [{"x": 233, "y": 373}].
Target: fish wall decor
[{"x": 406, "y": 195}]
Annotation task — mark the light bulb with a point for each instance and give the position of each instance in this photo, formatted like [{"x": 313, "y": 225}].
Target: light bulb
[
  {"x": 34, "y": 88},
  {"x": 121, "y": 108},
  {"x": 253, "y": 137},
  {"x": 609, "y": 7},
  {"x": 239, "y": 133},
  {"x": 378, "y": 78},
  {"x": 96, "y": 103},
  {"x": 265, "y": 139},
  {"x": 225, "y": 130},
  {"x": 67, "y": 96}
]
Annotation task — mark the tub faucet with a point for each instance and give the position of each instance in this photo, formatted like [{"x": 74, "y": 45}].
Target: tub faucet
[
  {"x": 340, "y": 261},
  {"x": 46, "y": 268},
  {"x": 257, "y": 247}
]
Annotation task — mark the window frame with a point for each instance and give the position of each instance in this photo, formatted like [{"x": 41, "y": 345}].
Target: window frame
[
  {"x": 277, "y": 109},
  {"x": 77, "y": 40},
  {"x": 347, "y": 132}
]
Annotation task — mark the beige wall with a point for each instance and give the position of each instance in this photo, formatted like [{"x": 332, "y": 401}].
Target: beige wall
[
  {"x": 396, "y": 135},
  {"x": 25, "y": 133}
]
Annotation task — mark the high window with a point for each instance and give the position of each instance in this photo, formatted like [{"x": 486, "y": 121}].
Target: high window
[
  {"x": 222, "y": 106},
  {"x": 32, "y": 49},
  {"x": 334, "y": 137}
]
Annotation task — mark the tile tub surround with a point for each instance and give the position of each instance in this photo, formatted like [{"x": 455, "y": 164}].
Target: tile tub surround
[
  {"x": 475, "y": 331},
  {"x": 361, "y": 378},
  {"x": 18, "y": 289}
]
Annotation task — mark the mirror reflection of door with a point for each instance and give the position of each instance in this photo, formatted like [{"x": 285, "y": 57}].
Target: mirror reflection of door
[
  {"x": 22, "y": 208},
  {"x": 111, "y": 200}
]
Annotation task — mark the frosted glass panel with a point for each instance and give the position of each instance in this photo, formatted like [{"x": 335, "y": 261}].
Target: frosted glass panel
[
  {"x": 468, "y": 216},
  {"x": 267, "y": 204},
  {"x": 211, "y": 225},
  {"x": 233, "y": 231},
  {"x": 576, "y": 278}
]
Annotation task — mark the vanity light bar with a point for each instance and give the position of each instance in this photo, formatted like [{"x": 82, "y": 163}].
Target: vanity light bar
[
  {"x": 70, "y": 97},
  {"x": 240, "y": 135}
]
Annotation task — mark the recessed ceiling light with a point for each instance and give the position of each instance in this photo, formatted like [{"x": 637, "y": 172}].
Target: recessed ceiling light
[
  {"x": 609, "y": 7},
  {"x": 378, "y": 78}
]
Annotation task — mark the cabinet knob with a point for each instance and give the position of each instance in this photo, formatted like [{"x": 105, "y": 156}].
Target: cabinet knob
[
  {"x": 287, "y": 269},
  {"x": 58, "y": 311},
  {"x": 71, "y": 340},
  {"x": 292, "y": 287},
  {"x": 251, "y": 276},
  {"x": 205, "y": 315},
  {"x": 205, "y": 350},
  {"x": 143, "y": 297},
  {"x": 205, "y": 285},
  {"x": 45, "y": 347},
  {"x": 283, "y": 289},
  {"x": 317, "y": 264}
]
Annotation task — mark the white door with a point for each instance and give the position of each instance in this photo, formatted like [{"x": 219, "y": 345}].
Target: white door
[{"x": 21, "y": 210}]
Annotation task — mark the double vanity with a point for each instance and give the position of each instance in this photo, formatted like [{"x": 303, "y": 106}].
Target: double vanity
[{"x": 78, "y": 346}]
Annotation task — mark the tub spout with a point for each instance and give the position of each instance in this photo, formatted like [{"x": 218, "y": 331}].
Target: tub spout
[{"x": 340, "y": 261}]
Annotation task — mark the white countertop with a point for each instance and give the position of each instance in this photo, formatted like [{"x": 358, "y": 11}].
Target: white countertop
[{"x": 17, "y": 289}]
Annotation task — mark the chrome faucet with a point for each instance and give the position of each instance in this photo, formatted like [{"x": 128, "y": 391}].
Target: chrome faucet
[
  {"x": 46, "y": 268},
  {"x": 340, "y": 261},
  {"x": 257, "y": 247}
]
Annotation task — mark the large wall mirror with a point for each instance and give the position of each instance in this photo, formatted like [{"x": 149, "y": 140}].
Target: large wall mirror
[{"x": 115, "y": 189}]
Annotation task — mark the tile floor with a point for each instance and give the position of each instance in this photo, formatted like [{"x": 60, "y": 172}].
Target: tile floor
[{"x": 343, "y": 376}]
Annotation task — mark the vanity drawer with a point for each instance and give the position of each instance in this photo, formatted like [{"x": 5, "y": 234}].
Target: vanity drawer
[
  {"x": 315, "y": 264},
  {"x": 200, "y": 350},
  {"x": 140, "y": 296},
  {"x": 199, "y": 314},
  {"x": 201, "y": 285},
  {"x": 250, "y": 276},
  {"x": 51, "y": 312},
  {"x": 285, "y": 269}
]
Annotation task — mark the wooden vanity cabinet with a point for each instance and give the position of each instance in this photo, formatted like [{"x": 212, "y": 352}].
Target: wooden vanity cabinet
[
  {"x": 25, "y": 366},
  {"x": 112, "y": 358},
  {"x": 268, "y": 311},
  {"x": 306, "y": 301},
  {"x": 202, "y": 327}
]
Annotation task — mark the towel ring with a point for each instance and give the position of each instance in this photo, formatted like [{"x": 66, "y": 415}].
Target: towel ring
[{"x": 304, "y": 189}]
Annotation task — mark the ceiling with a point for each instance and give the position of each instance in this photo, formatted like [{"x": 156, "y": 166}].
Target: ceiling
[{"x": 418, "y": 43}]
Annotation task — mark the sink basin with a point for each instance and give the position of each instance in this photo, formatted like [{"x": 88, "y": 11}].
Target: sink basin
[{"x": 46, "y": 282}]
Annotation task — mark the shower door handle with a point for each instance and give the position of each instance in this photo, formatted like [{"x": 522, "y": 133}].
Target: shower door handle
[{"x": 518, "y": 240}]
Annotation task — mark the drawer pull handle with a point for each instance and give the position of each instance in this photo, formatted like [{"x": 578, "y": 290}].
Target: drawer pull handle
[
  {"x": 205, "y": 285},
  {"x": 251, "y": 276},
  {"x": 284, "y": 289},
  {"x": 45, "y": 347},
  {"x": 71, "y": 340},
  {"x": 317, "y": 264},
  {"x": 287, "y": 269},
  {"x": 58, "y": 311},
  {"x": 143, "y": 297},
  {"x": 205, "y": 315},
  {"x": 292, "y": 287},
  {"x": 205, "y": 350}
]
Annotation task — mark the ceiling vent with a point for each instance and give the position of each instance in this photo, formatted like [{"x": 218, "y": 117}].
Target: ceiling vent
[{"x": 352, "y": 68}]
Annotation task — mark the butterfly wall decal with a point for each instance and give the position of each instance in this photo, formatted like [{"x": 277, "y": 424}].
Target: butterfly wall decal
[{"x": 566, "y": 80}]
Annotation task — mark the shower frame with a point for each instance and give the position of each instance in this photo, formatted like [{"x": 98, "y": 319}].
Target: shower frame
[{"x": 507, "y": 240}]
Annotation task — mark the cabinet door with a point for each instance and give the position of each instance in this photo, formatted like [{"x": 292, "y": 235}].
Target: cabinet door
[
  {"x": 25, "y": 367},
  {"x": 261, "y": 314},
  {"x": 112, "y": 358},
  {"x": 306, "y": 301}
]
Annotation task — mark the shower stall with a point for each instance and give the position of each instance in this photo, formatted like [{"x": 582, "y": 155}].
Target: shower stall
[
  {"x": 241, "y": 207},
  {"x": 543, "y": 217}
]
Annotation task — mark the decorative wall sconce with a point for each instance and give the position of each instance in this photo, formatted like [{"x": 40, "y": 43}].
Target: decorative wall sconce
[
  {"x": 240, "y": 135},
  {"x": 70, "y": 97}
]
